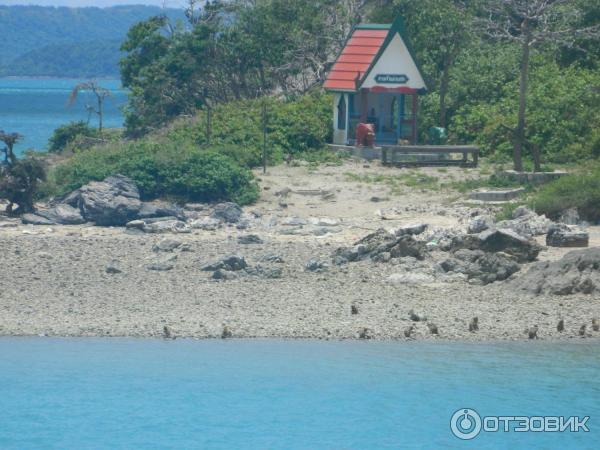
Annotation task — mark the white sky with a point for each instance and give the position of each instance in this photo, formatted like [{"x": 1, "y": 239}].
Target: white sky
[{"x": 100, "y": 3}]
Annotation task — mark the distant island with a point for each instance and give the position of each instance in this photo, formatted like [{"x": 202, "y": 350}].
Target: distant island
[{"x": 77, "y": 42}]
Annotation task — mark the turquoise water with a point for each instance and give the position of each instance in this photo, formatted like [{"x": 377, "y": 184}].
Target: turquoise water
[
  {"x": 34, "y": 107},
  {"x": 270, "y": 394}
]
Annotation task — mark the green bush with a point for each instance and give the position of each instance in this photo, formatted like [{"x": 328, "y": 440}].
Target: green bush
[
  {"x": 581, "y": 191},
  {"x": 19, "y": 183},
  {"x": 161, "y": 169},
  {"x": 67, "y": 134},
  {"x": 295, "y": 127}
]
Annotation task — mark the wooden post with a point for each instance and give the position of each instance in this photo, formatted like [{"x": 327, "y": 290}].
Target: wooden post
[
  {"x": 264, "y": 121},
  {"x": 415, "y": 105},
  {"x": 364, "y": 105}
]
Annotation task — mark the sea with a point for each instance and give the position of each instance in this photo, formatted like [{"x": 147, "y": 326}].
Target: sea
[
  {"x": 117, "y": 393},
  {"x": 35, "y": 107}
]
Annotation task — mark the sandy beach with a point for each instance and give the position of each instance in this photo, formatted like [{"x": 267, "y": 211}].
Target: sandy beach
[{"x": 54, "y": 280}]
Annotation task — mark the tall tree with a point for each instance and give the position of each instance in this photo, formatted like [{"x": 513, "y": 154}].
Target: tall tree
[{"x": 531, "y": 24}]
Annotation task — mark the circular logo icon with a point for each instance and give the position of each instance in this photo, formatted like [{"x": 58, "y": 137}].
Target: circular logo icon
[{"x": 465, "y": 424}]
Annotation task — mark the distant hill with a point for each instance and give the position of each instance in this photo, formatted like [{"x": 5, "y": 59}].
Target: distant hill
[{"x": 67, "y": 42}]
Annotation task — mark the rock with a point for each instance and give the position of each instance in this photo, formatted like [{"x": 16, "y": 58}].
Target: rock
[
  {"x": 167, "y": 332},
  {"x": 479, "y": 224},
  {"x": 576, "y": 272},
  {"x": 265, "y": 272},
  {"x": 227, "y": 212},
  {"x": 284, "y": 192},
  {"x": 136, "y": 224},
  {"x": 294, "y": 221},
  {"x": 155, "y": 209},
  {"x": 315, "y": 266},
  {"x": 433, "y": 328},
  {"x": 205, "y": 223},
  {"x": 595, "y": 325},
  {"x": 474, "y": 324},
  {"x": 271, "y": 258},
  {"x": 563, "y": 236},
  {"x": 408, "y": 331},
  {"x": 166, "y": 226},
  {"x": 62, "y": 214},
  {"x": 113, "y": 268},
  {"x": 354, "y": 310},
  {"x": 376, "y": 199},
  {"x": 225, "y": 275},
  {"x": 560, "y": 327},
  {"x": 365, "y": 333},
  {"x": 166, "y": 245},
  {"x": 412, "y": 230},
  {"x": 250, "y": 239},
  {"x": 416, "y": 317},
  {"x": 226, "y": 333},
  {"x": 381, "y": 241},
  {"x": 500, "y": 240},
  {"x": 231, "y": 263},
  {"x": 570, "y": 217},
  {"x": 479, "y": 265},
  {"x": 532, "y": 332},
  {"x": 324, "y": 222},
  {"x": 34, "y": 219},
  {"x": 582, "y": 330},
  {"x": 161, "y": 266},
  {"x": 526, "y": 223},
  {"x": 112, "y": 202},
  {"x": 411, "y": 278}
]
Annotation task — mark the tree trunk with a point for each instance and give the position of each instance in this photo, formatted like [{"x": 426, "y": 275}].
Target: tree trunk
[
  {"x": 443, "y": 92},
  {"x": 100, "y": 114},
  {"x": 520, "y": 131}
]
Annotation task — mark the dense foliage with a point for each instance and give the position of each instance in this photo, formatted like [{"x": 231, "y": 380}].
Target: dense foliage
[
  {"x": 236, "y": 49},
  {"x": 69, "y": 134},
  {"x": 77, "y": 42},
  {"x": 160, "y": 169},
  {"x": 293, "y": 127},
  {"x": 581, "y": 191}
]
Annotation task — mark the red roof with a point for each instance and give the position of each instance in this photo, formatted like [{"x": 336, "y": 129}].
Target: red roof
[{"x": 355, "y": 59}]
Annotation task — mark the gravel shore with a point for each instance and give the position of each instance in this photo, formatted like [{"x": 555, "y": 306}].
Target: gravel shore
[{"x": 94, "y": 281}]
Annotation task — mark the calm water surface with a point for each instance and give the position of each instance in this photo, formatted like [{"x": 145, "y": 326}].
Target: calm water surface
[
  {"x": 34, "y": 107},
  {"x": 123, "y": 393}
]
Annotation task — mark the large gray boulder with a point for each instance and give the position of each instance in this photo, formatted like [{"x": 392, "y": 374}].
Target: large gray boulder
[
  {"x": 576, "y": 272},
  {"x": 111, "y": 202},
  {"x": 479, "y": 265},
  {"x": 526, "y": 222},
  {"x": 230, "y": 263},
  {"x": 62, "y": 214},
  {"x": 523, "y": 249}
]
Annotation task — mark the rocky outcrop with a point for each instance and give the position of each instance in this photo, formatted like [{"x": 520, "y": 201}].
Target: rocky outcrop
[
  {"x": 501, "y": 240},
  {"x": 230, "y": 263},
  {"x": 227, "y": 212},
  {"x": 576, "y": 272},
  {"x": 150, "y": 210},
  {"x": 112, "y": 202},
  {"x": 34, "y": 219},
  {"x": 481, "y": 266},
  {"x": 563, "y": 236},
  {"x": 526, "y": 223},
  {"x": 381, "y": 246}
]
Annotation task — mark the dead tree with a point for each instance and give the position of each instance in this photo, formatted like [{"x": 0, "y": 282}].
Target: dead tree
[
  {"x": 99, "y": 92},
  {"x": 532, "y": 23}
]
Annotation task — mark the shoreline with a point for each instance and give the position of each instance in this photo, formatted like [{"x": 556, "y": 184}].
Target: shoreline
[{"x": 87, "y": 281}]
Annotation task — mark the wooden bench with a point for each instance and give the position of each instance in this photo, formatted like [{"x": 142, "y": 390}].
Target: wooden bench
[{"x": 422, "y": 155}]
